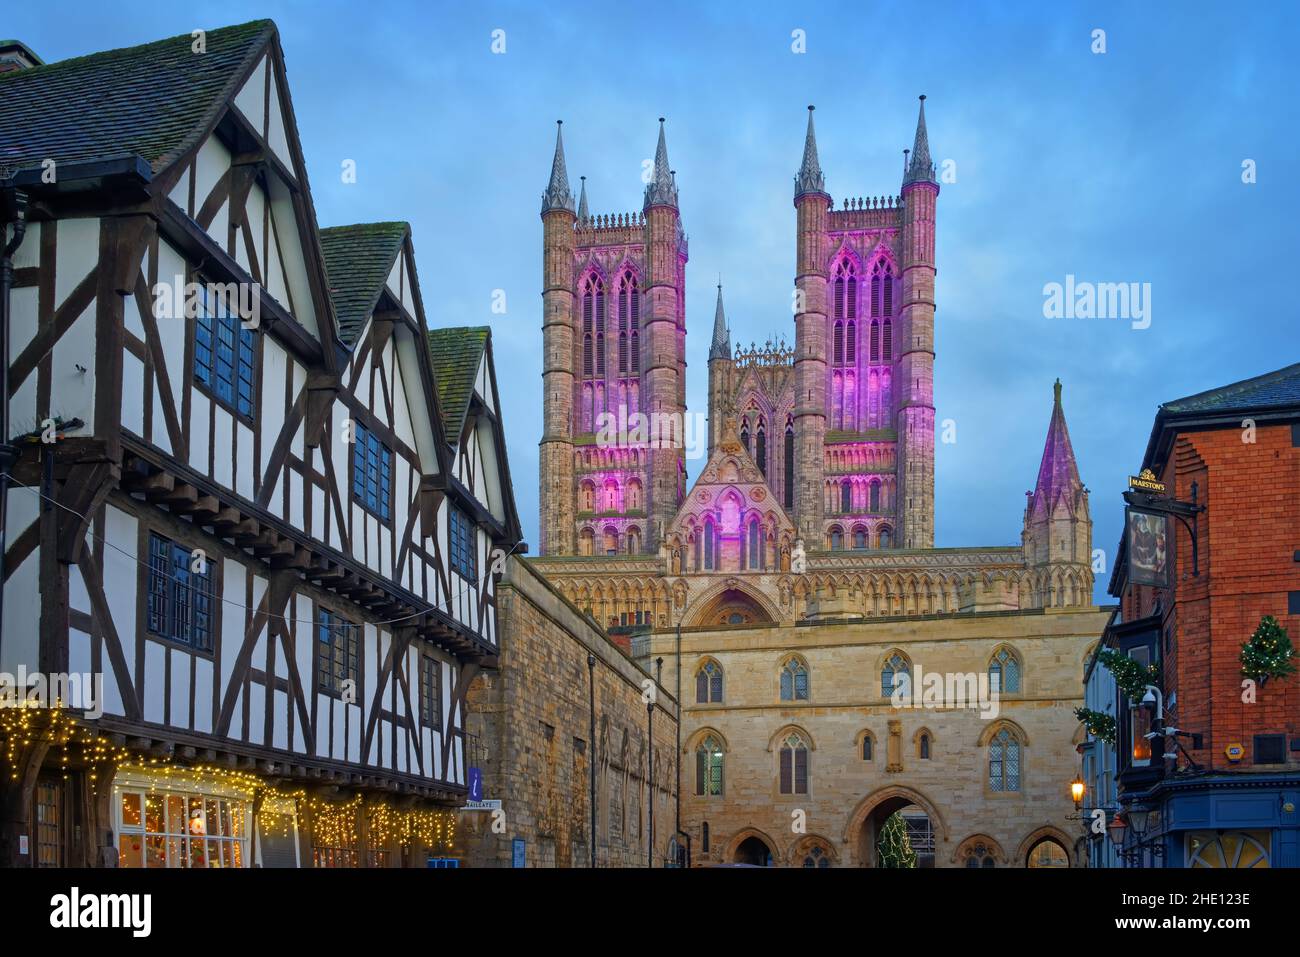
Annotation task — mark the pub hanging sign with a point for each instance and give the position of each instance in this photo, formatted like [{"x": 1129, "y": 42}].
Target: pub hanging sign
[
  {"x": 1146, "y": 481},
  {"x": 1148, "y": 548}
]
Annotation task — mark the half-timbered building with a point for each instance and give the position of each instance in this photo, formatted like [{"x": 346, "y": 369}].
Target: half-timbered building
[{"x": 250, "y": 489}]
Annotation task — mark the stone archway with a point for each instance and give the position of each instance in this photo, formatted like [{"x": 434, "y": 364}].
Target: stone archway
[
  {"x": 863, "y": 827},
  {"x": 730, "y": 602},
  {"x": 752, "y": 846},
  {"x": 1043, "y": 839}
]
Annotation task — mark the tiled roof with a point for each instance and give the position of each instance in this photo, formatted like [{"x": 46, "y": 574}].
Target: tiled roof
[
  {"x": 457, "y": 353},
  {"x": 154, "y": 100},
  {"x": 1271, "y": 390},
  {"x": 358, "y": 259}
]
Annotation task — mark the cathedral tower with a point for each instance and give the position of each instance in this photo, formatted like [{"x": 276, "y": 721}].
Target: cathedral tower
[
  {"x": 720, "y": 369},
  {"x": 614, "y": 401},
  {"x": 914, "y": 376},
  {"x": 812, "y": 202},
  {"x": 558, "y": 380}
]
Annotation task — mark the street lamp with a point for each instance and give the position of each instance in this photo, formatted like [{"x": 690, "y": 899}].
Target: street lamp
[
  {"x": 1116, "y": 829},
  {"x": 1077, "y": 789},
  {"x": 1138, "y": 816}
]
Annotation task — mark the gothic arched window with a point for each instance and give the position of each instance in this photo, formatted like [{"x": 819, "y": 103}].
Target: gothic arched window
[
  {"x": 633, "y": 540},
  {"x": 794, "y": 765},
  {"x": 708, "y": 684},
  {"x": 875, "y": 496},
  {"x": 885, "y": 539},
  {"x": 1004, "y": 671},
  {"x": 851, "y": 343},
  {"x": 760, "y": 448},
  {"x": 611, "y": 540},
  {"x": 894, "y": 666},
  {"x": 887, "y": 347},
  {"x": 755, "y": 543},
  {"x": 837, "y": 538},
  {"x": 794, "y": 680},
  {"x": 1004, "y": 761},
  {"x": 708, "y": 545},
  {"x": 875, "y": 340},
  {"x": 839, "y": 343},
  {"x": 859, "y": 537},
  {"x": 846, "y": 496},
  {"x": 817, "y": 857},
  {"x": 744, "y": 433},
  {"x": 586, "y": 542},
  {"x": 708, "y": 768}
]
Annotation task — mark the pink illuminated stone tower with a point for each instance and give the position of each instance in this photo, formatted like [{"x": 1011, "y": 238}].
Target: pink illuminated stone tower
[{"x": 614, "y": 344}]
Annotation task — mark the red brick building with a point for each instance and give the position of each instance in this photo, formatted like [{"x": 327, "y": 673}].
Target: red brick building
[{"x": 1226, "y": 790}]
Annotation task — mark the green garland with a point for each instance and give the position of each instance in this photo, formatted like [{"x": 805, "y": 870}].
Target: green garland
[
  {"x": 1099, "y": 724},
  {"x": 895, "y": 848},
  {"x": 1130, "y": 677},
  {"x": 1268, "y": 653}
]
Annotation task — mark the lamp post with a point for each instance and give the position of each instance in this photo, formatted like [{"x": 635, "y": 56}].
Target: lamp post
[{"x": 1077, "y": 789}]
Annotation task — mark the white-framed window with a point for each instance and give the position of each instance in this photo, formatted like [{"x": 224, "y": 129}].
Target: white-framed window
[{"x": 180, "y": 828}]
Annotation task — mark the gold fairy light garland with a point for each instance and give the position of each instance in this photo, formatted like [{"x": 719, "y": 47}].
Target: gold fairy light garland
[{"x": 333, "y": 823}]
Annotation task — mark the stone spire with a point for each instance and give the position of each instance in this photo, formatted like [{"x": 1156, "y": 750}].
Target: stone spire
[
  {"x": 584, "y": 217},
  {"x": 662, "y": 189},
  {"x": 558, "y": 195},
  {"x": 810, "y": 178},
  {"x": 1059, "y": 472},
  {"x": 920, "y": 168},
  {"x": 721, "y": 347}
]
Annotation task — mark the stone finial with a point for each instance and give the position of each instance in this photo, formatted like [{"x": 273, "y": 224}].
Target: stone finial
[
  {"x": 810, "y": 178},
  {"x": 558, "y": 195},
  {"x": 920, "y": 169}
]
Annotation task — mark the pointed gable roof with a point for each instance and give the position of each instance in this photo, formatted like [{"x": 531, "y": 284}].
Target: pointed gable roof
[
  {"x": 1271, "y": 390},
  {"x": 155, "y": 100},
  {"x": 358, "y": 259},
  {"x": 457, "y": 354},
  {"x": 1058, "y": 473}
]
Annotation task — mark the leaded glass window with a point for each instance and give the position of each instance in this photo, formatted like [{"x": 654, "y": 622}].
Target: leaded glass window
[
  {"x": 1004, "y": 762},
  {"x": 794, "y": 681}
]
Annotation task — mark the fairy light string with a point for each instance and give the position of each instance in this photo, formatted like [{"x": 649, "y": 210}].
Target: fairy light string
[{"x": 333, "y": 823}]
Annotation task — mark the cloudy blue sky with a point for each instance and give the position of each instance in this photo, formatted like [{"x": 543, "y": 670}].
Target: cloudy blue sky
[{"x": 1118, "y": 167}]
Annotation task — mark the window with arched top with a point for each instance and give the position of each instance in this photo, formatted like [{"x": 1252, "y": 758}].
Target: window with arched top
[
  {"x": 634, "y": 494},
  {"x": 866, "y": 746},
  {"x": 978, "y": 853},
  {"x": 794, "y": 680},
  {"x": 695, "y": 551},
  {"x": 1004, "y": 761},
  {"x": 1004, "y": 672},
  {"x": 923, "y": 746},
  {"x": 837, "y": 538},
  {"x": 760, "y": 448},
  {"x": 886, "y": 341},
  {"x": 611, "y": 540},
  {"x": 633, "y": 540},
  {"x": 794, "y": 765},
  {"x": 587, "y": 496},
  {"x": 744, "y": 433},
  {"x": 846, "y": 496},
  {"x": 755, "y": 544},
  {"x": 817, "y": 856},
  {"x": 886, "y": 537},
  {"x": 838, "y": 353},
  {"x": 875, "y": 340},
  {"x": 875, "y": 497},
  {"x": 859, "y": 537},
  {"x": 708, "y": 684},
  {"x": 850, "y": 343},
  {"x": 882, "y": 288},
  {"x": 708, "y": 767},
  {"x": 895, "y": 666},
  {"x": 586, "y": 542},
  {"x": 708, "y": 545}
]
